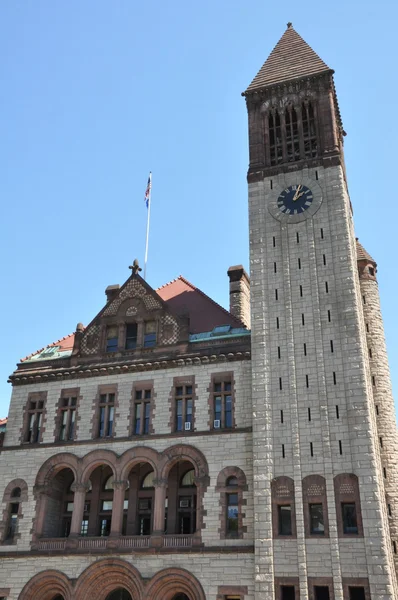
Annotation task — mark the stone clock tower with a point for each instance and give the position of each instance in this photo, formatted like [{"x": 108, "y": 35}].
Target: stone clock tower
[{"x": 323, "y": 525}]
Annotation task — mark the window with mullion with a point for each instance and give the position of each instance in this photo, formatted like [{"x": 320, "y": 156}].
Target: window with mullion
[
  {"x": 222, "y": 402},
  {"x": 35, "y": 417},
  {"x": 68, "y": 416},
  {"x": 106, "y": 415},
  {"x": 142, "y": 411},
  {"x": 184, "y": 407}
]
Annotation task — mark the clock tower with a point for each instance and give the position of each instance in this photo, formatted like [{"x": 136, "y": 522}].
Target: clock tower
[{"x": 323, "y": 526}]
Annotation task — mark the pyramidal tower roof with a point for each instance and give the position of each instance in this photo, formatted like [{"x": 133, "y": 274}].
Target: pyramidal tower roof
[
  {"x": 292, "y": 58},
  {"x": 362, "y": 254}
]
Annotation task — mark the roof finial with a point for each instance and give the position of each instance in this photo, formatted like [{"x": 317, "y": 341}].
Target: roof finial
[
  {"x": 135, "y": 267},
  {"x": 289, "y": 25}
]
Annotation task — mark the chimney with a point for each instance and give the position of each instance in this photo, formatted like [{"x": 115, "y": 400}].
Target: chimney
[
  {"x": 239, "y": 294},
  {"x": 111, "y": 292}
]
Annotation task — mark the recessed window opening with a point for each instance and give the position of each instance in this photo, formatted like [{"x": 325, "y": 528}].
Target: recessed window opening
[
  {"x": 370, "y": 352},
  {"x": 389, "y": 510},
  {"x": 270, "y": 183},
  {"x": 317, "y": 526},
  {"x": 364, "y": 299},
  {"x": 356, "y": 593},
  {"x": 274, "y": 267},
  {"x": 321, "y": 592},
  {"x": 283, "y": 450},
  {"x": 301, "y": 290},
  {"x": 349, "y": 515},
  {"x": 287, "y": 592},
  {"x": 273, "y": 241},
  {"x": 377, "y": 409},
  {"x": 299, "y": 263},
  {"x": 280, "y": 383},
  {"x": 381, "y": 442},
  {"x": 276, "y": 294},
  {"x": 324, "y": 259},
  {"x": 131, "y": 336},
  {"x": 275, "y": 138},
  {"x": 309, "y": 413},
  {"x": 285, "y": 519},
  {"x": 373, "y": 380},
  {"x": 306, "y": 381},
  {"x": 277, "y": 322},
  {"x": 298, "y": 237},
  {"x": 331, "y": 346},
  {"x": 281, "y": 416},
  {"x": 329, "y": 316},
  {"x": 292, "y": 135},
  {"x": 340, "y": 447},
  {"x": 367, "y": 327},
  {"x": 384, "y": 473},
  {"x": 316, "y": 175},
  {"x": 302, "y": 319},
  {"x": 334, "y": 378},
  {"x": 321, "y": 233},
  {"x": 305, "y": 349},
  {"x": 394, "y": 547},
  {"x": 337, "y": 412},
  {"x": 279, "y": 351},
  {"x": 326, "y": 287},
  {"x": 112, "y": 335},
  {"x": 311, "y": 449},
  {"x": 150, "y": 334}
]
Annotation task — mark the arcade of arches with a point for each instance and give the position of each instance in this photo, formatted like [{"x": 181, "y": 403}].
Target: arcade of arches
[
  {"x": 114, "y": 579},
  {"x": 140, "y": 493}
]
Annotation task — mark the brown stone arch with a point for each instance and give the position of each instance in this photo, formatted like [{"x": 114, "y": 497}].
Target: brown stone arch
[
  {"x": 223, "y": 489},
  {"x": 136, "y": 455},
  {"x": 282, "y": 492},
  {"x": 346, "y": 490},
  {"x": 180, "y": 452},
  {"x": 9, "y": 500},
  {"x": 314, "y": 492},
  {"x": 55, "y": 464},
  {"x": 169, "y": 582},
  {"x": 104, "y": 576},
  {"x": 228, "y": 472},
  {"x": 94, "y": 459},
  {"x": 16, "y": 483},
  {"x": 46, "y": 586}
]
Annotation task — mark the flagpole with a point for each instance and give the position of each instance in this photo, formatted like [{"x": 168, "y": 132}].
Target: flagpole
[{"x": 147, "y": 222}]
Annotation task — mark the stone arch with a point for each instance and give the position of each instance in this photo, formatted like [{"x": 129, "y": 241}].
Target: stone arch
[
  {"x": 46, "y": 586},
  {"x": 181, "y": 452},
  {"x": 136, "y": 455},
  {"x": 169, "y": 582},
  {"x": 314, "y": 493},
  {"x": 94, "y": 459},
  {"x": 104, "y": 576},
  {"x": 55, "y": 464},
  {"x": 12, "y": 485},
  {"x": 282, "y": 491},
  {"x": 228, "y": 472},
  {"x": 346, "y": 491}
]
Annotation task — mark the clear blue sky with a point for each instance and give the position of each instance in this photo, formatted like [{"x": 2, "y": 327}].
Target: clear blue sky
[{"x": 94, "y": 94}]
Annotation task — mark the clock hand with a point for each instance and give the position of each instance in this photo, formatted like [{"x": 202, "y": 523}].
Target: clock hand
[{"x": 296, "y": 194}]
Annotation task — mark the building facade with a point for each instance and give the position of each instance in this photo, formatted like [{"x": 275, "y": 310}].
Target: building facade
[{"x": 174, "y": 450}]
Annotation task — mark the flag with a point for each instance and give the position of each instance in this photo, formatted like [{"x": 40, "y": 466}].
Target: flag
[{"x": 148, "y": 190}]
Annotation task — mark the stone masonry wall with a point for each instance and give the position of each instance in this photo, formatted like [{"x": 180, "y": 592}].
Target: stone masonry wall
[
  {"x": 383, "y": 401},
  {"x": 309, "y": 360}
]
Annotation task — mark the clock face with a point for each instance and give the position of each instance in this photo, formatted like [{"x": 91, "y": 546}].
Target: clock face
[{"x": 295, "y": 200}]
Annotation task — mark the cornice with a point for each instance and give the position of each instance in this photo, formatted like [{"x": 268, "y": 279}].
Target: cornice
[{"x": 100, "y": 369}]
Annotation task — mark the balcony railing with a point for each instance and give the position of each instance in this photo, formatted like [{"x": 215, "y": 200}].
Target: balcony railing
[{"x": 123, "y": 542}]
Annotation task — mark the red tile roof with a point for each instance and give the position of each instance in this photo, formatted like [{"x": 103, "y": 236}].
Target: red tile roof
[
  {"x": 3, "y": 421},
  {"x": 65, "y": 343},
  {"x": 291, "y": 58},
  {"x": 204, "y": 314},
  {"x": 362, "y": 254},
  {"x": 182, "y": 297}
]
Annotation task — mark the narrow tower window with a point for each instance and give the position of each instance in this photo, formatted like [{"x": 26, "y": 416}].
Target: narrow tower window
[
  {"x": 275, "y": 138},
  {"x": 292, "y": 137},
  {"x": 309, "y": 131}
]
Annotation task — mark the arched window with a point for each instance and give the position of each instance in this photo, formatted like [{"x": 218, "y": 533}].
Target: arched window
[
  {"x": 139, "y": 501},
  {"x": 14, "y": 494},
  {"x": 180, "y": 513},
  {"x": 188, "y": 480},
  {"x": 231, "y": 483},
  {"x": 309, "y": 129},
  {"x": 275, "y": 137},
  {"x": 315, "y": 506},
  {"x": 348, "y": 506},
  {"x": 283, "y": 507},
  {"x": 292, "y": 134}
]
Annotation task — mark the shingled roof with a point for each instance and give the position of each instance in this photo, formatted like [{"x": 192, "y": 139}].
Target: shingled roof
[
  {"x": 362, "y": 254},
  {"x": 291, "y": 58}
]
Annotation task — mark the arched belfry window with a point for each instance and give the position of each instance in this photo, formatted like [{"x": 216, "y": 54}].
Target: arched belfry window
[
  {"x": 309, "y": 129},
  {"x": 292, "y": 134},
  {"x": 275, "y": 138}
]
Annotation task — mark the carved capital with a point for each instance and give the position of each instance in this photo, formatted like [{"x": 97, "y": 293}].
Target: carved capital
[
  {"x": 120, "y": 485},
  {"x": 78, "y": 486},
  {"x": 160, "y": 482}
]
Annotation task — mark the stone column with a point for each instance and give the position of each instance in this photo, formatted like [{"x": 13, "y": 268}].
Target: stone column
[
  {"x": 158, "y": 513},
  {"x": 117, "y": 507},
  {"x": 79, "y": 499},
  {"x": 41, "y": 492}
]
